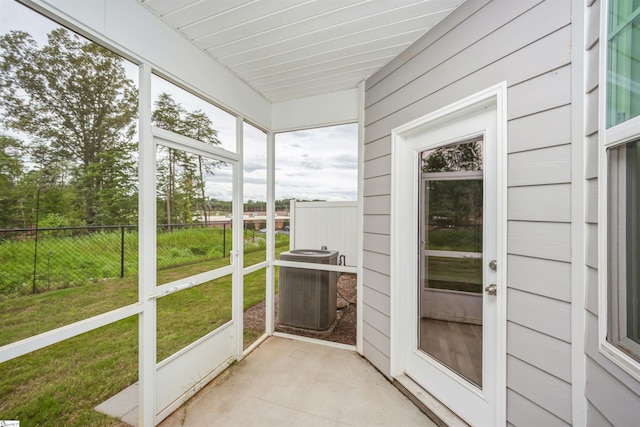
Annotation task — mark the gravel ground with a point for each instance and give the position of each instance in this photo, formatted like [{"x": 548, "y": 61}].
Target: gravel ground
[{"x": 342, "y": 331}]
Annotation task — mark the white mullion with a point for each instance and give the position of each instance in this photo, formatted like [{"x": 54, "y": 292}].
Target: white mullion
[
  {"x": 184, "y": 143},
  {"x": 316, "y": 266},
  {"x": 45, "y": 339},
  {"x": 453, "y": 254},
  {"x": 453, "y": 176},
  {"x": 238, "y": 241},
  {"x": 190, "y": 282},
  {"x": 270, "y": 297},
  {"x": 147, "y": 254}
]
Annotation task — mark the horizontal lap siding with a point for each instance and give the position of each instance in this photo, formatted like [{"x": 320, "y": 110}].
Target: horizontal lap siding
[
  {"x": 528, "y": 414},
  {"x": 527, "y": 44},
  {"x": 613, "y": 396}
]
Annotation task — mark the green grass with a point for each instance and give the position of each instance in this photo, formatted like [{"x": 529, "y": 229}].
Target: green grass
[
  {"x": 61, "y": 384},
  {"x": 65, "y": 261}
]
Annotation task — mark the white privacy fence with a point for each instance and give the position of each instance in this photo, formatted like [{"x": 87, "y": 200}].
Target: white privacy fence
[{"x": 330, "y": 224}]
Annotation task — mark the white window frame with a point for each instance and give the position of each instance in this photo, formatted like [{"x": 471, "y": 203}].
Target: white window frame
[{"x": 615, "y": 136}]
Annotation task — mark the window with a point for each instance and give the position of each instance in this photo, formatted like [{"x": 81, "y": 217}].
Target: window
[
  {"x": 624, "y": 248},
  {"x": 621, "y": 155}
]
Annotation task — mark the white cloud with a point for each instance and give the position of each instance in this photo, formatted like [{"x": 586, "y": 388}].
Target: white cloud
[{"x": 318, "y": 164}]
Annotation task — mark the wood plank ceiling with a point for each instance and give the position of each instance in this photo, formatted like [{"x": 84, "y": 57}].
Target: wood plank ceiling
[{"x": 289, "y": 49}]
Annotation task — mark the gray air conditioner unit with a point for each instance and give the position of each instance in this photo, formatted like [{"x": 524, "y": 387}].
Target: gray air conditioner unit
[{"x": 307, "y": 298}]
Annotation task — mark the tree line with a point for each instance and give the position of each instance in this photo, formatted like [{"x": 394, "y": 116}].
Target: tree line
[{"x": 68, "y": 154}]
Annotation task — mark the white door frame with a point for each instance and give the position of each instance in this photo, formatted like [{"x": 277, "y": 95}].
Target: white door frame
[
  {"x": 404, "y": 210},
  {"x": 182, "y": 374}
]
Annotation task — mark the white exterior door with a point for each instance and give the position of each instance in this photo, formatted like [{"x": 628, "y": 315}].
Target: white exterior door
[{"x": 446, "y": 267}]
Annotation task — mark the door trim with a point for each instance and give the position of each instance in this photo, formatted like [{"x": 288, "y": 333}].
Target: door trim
[{"x": 404, "y": 210}]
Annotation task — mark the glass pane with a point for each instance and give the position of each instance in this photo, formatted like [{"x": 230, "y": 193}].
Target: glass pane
[
  {"x": 462, "y": 156},
  {"x": 65, "y": 384},
  {"x": 451, "y": 275},
  {"x": 68, "y": 176},
  {"x": 317, "y": 164},
  {"x": 454, "y": 215},
  {"x": 255, "y": 293},
  {"x": 624, "y": 248},
  {"x": 188, "y": 315},
  {"x": 182, "y": 112},
  {"x": 633, "y": 241},
  {"x": 194, "y": 208},
  {"x": 623, "y": 76},
  {"x": 255, "y": 194},
  {"x": 454, "y": 274}
]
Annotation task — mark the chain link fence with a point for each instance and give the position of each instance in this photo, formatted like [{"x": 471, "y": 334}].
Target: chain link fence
[{"x": 35, "y": 260}]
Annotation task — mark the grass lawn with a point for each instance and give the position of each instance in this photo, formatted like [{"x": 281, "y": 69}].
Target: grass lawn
[{"x": 61, "y": 384}]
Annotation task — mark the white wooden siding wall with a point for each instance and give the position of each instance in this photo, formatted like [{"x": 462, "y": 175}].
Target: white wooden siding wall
[
  {"x": 613, "y": 396},
  {"x": 330, "y": 224},
  {"x": 527, "y": 44}
]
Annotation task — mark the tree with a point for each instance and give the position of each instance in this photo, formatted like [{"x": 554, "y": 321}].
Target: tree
[
  {"x": 11, "y": 165},
  {"x": 168, "y": 115},
  {"x": 182, "y": 175},
  {"x": 198, "y": 126},
  {"x": 74, "y": 98}
]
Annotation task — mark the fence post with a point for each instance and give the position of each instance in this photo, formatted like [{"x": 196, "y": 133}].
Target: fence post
[
  {"x": 224, "y": 239},
  {"x": 121, "y": 251},
  {"x": 35, "y": 250}
]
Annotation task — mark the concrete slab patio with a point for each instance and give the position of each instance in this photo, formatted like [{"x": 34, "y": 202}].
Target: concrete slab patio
[{"x": 288, "y": 382}]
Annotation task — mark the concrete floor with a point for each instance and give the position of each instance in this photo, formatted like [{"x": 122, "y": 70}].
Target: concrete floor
[{"x": 292, "y": 383}]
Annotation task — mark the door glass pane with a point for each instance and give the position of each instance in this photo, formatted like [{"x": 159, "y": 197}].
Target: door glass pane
[{"x": 451, "y": 229}]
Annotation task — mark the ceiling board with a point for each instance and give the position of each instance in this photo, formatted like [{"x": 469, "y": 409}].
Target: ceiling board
[
  {"x": 308, "y": 41},
  {"x": 286, "y": 49},
  {"x": 199, "y": 10},
  {"x": 325, "y": 52}
]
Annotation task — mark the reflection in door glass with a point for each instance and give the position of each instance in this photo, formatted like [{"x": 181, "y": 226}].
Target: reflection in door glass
[{"x": 451, "y": 228}]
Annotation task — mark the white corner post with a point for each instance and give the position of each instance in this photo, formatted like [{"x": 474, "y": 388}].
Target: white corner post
[
  {"x": 578, "y": 221},
  {"x": 147, "y": 255},
  {"x": 271, "y": 248},
  {"x": 237, "y": 292},
  {"x": 360, "y": 274}
]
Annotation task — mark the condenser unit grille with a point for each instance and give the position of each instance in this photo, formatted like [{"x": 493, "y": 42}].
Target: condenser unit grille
[{"x": 307, "y": 298}]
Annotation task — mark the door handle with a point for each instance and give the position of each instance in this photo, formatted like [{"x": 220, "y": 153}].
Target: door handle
[{"x": 491, "y": 290}]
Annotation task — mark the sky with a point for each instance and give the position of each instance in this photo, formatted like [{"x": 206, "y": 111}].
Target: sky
[{"x": 310, "y": 164}]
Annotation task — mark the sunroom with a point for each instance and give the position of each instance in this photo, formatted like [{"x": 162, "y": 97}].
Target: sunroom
[
  {"x": 141, "y": 125},
  {"x": 493, "y": 167}
]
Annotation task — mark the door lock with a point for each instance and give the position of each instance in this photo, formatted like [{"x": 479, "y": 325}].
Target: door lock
[
  {"x": 493, "y": 264},
  {"x": 491, "y": 290}
]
